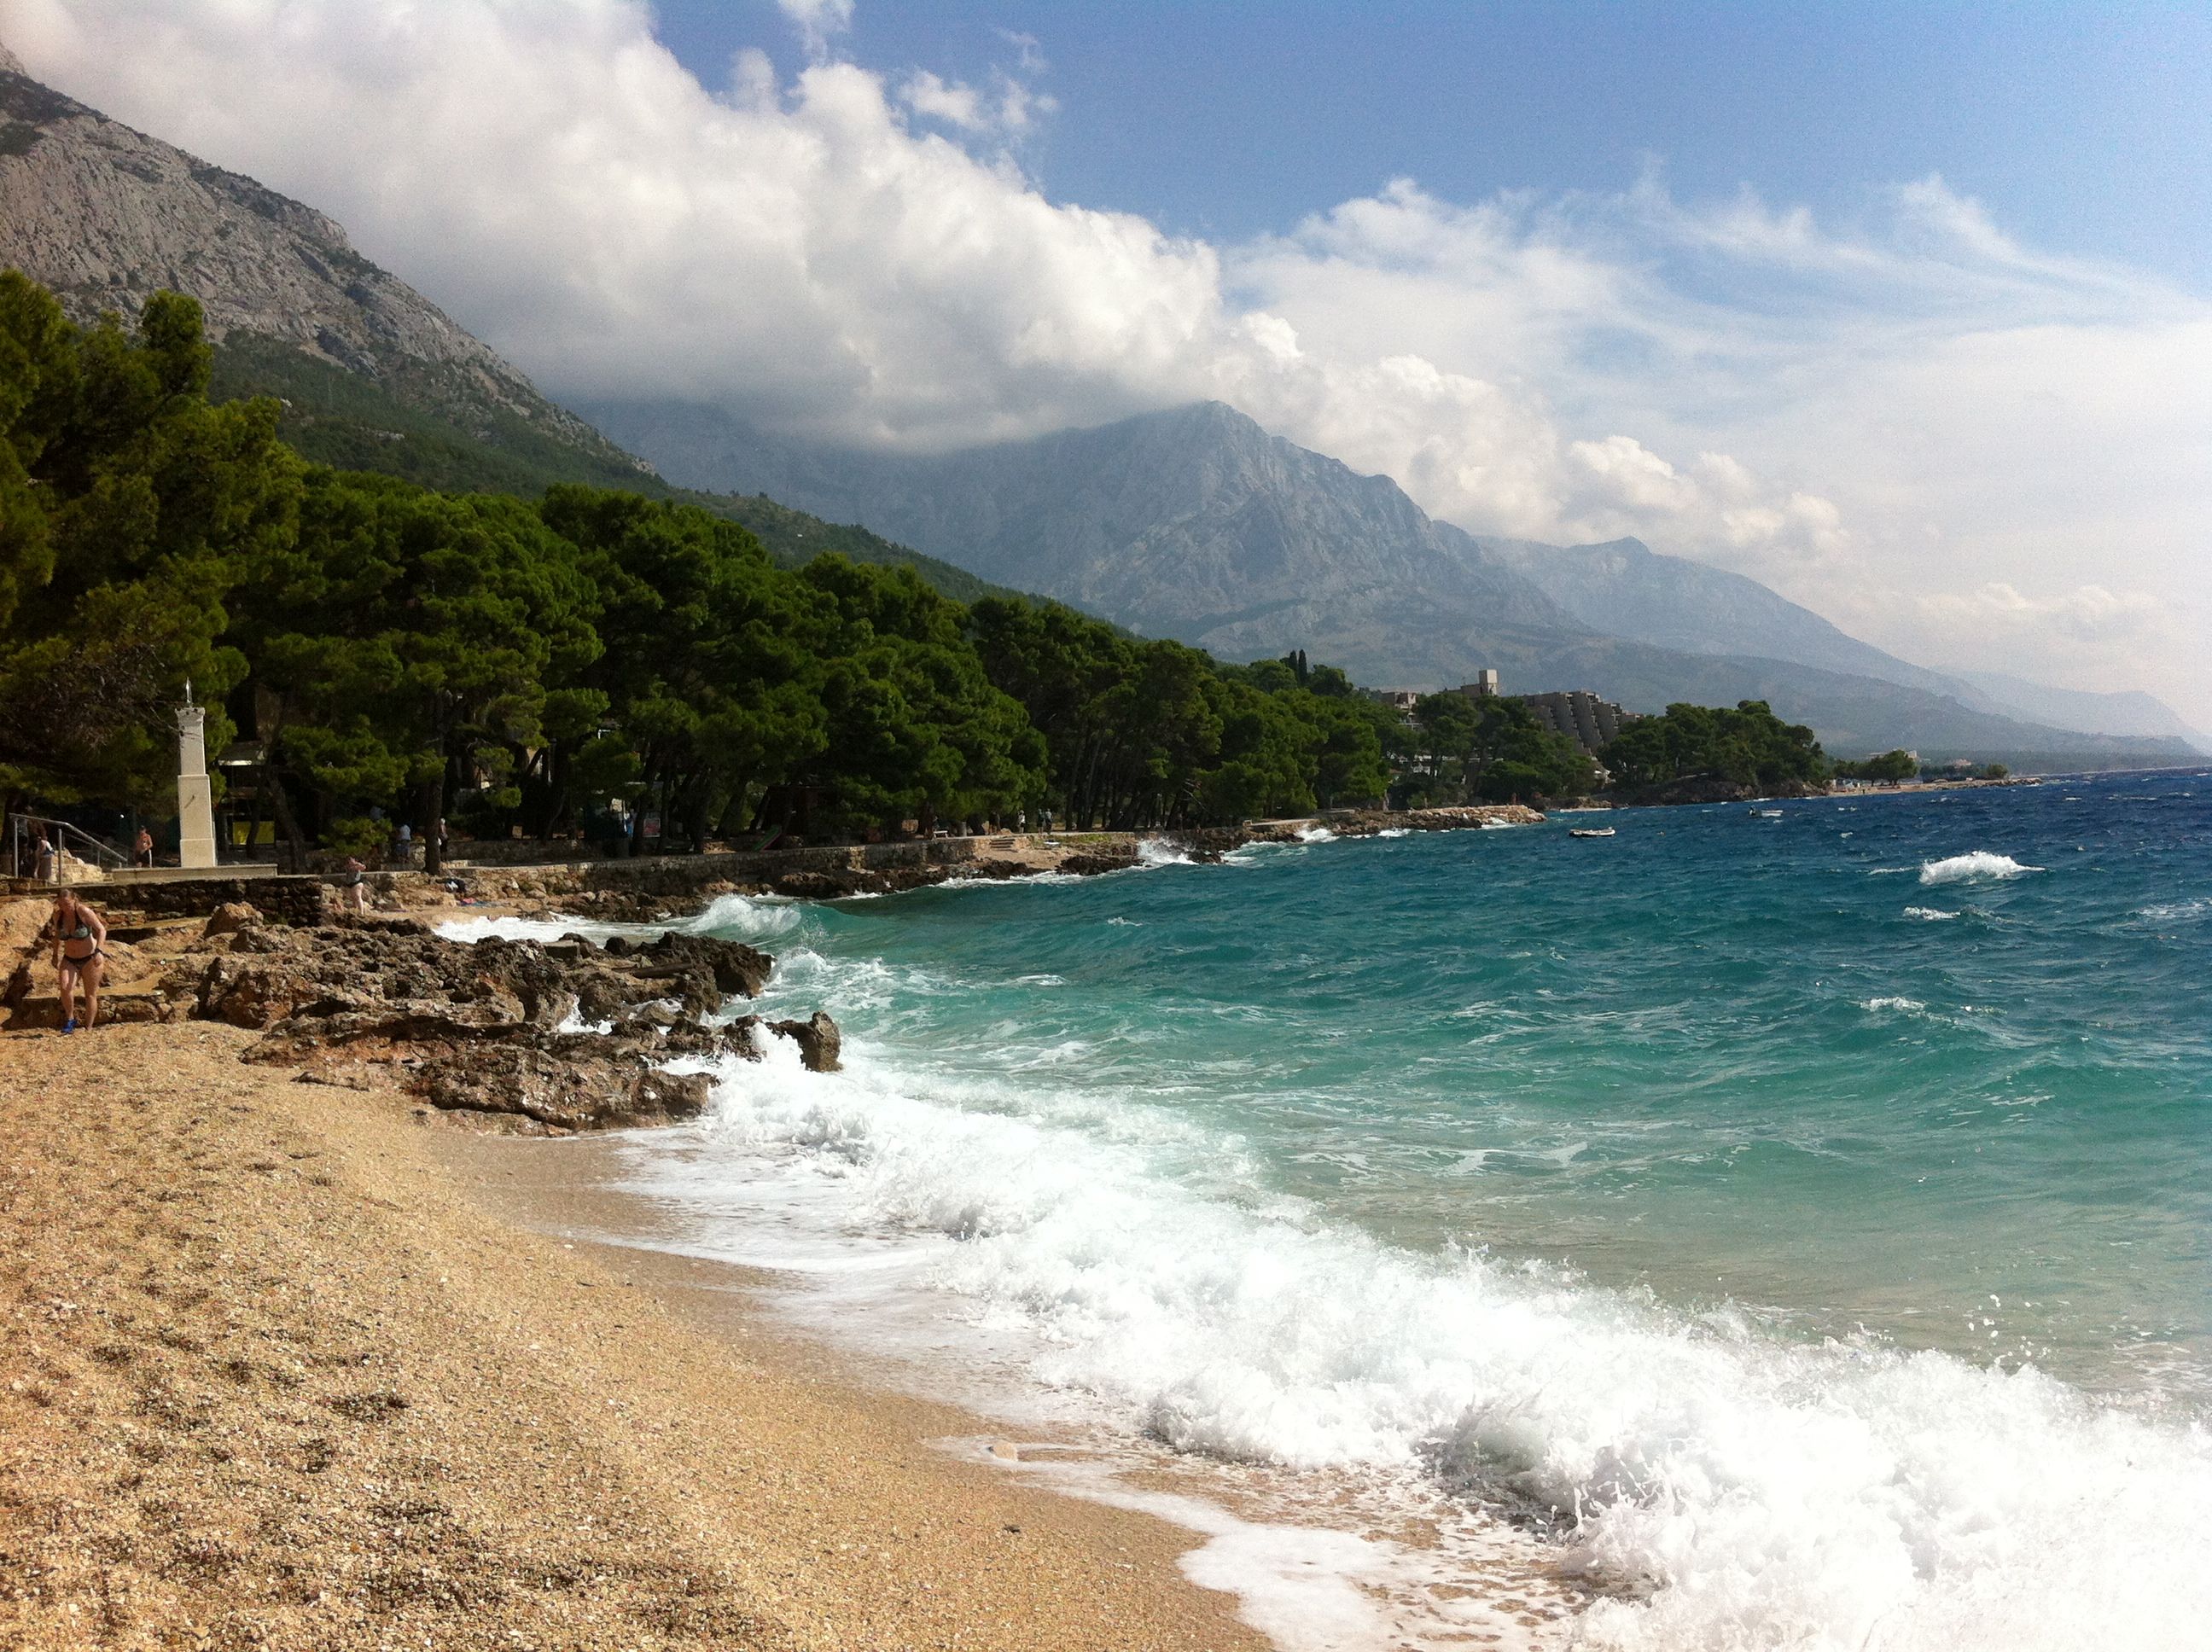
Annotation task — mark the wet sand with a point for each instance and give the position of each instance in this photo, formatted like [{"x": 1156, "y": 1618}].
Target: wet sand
[{"x": 282, "y": 1370}]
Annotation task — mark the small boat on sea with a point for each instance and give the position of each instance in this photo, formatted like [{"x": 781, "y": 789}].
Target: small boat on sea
[
  {"x": 1589, "y": 831},
  {"x": 1766, "y": 814}
]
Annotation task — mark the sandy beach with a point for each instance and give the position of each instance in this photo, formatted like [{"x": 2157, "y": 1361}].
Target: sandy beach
[{"x": 279, "y": 1373}]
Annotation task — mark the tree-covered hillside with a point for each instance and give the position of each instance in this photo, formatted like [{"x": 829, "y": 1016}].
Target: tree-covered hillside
[
  {"x": 353, "y": 422},
  {"x": 510, "y": 663}
]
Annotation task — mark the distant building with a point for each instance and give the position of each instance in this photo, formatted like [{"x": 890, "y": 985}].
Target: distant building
[
  {"x": 1402, "y": 700},
  {"x": 1580, "y": 715},
  {"x": 1484, "y": 686}
]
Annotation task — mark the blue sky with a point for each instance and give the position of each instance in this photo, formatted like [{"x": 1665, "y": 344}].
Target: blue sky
[{"x": 2086, "y": 128}]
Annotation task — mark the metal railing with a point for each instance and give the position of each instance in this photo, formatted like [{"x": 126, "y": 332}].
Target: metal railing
[{"x": 37, "y": 848}]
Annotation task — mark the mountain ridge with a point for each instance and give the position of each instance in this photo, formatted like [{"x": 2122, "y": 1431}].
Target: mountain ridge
[{"x": 1196, "y": 523}]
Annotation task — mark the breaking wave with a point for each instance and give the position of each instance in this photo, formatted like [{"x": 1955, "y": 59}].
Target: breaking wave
[
  {"x": 1976, "y": 863},
  {"x": 1727, "y": 1487}
]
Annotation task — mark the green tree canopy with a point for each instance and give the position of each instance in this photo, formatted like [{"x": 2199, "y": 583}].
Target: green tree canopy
[
  {"x": 1887, "y": 766},
  {"x": 1748, "y": 745},
  {"x": 711, "y": 680},
  {"x": 916, "y": 729},
  {"x": 129, "y": 507},
  {"x": 410, "y": 641}
]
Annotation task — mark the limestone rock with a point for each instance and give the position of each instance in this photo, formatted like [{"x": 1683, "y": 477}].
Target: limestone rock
[
  {"x": 1090, "y": 865},
  {"x": 821, "y": 1045},
  {"x": 228, "y": 919},
  {"x": 556, "y": 1036}
]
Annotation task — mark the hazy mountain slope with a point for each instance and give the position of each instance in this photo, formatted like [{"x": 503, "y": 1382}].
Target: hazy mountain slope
[
  {"x": 1181, "y": 524},
  {"x": 1624, "y": 589},
  {"x": 2130, "y": 712},
  {"x": 338, "y": 417},
  {"x": 106, "y": 216}
]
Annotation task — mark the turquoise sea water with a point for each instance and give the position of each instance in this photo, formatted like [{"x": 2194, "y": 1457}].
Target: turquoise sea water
[
  {"x": 1768, "y": 1061},
  {"x": 1805, "y": 1220}
]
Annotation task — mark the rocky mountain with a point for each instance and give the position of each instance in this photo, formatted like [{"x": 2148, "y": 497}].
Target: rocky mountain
[
  {"x": 1196, "y": 524},
  {"x": 1193, "y": 523},
  {"x": 105, "y": 216}
]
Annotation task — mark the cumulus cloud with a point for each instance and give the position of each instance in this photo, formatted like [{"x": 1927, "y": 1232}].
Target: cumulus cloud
[{"x": 1868, "y": 414}]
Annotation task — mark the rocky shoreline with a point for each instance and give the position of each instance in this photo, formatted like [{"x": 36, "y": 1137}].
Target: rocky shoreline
[
  {"x": 537, "y": 1037},
  {"x": 829, "y": 875},
  {"x": 530, "y": 1036}
]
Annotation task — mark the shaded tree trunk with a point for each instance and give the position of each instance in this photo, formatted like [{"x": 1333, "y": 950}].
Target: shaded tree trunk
[
  {"x": 295, "y": 841},
  {"x": 432, "y": 829}
]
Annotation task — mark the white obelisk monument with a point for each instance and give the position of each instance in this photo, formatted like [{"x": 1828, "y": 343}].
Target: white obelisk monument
[{"x": 195, "y": 804}]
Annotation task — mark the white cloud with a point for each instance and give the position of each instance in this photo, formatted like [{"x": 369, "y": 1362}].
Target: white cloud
[
  {"x": 1868, "y": 415},
  {"x": 1009, "y": 111},
  {"x": 926, "y": 93},
  {"x": 818, "y": 22}
]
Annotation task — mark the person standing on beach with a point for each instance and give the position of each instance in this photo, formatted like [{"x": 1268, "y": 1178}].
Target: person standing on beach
[
  {"x": 78, "y": 936},
  {"x": 145, "y": 848},
  {"x": 48, "y": 863},
  {"x": 356, "y": 886}
]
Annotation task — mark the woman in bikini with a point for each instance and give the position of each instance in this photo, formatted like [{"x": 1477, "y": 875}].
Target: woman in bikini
[{"x": 78, "y": 936}]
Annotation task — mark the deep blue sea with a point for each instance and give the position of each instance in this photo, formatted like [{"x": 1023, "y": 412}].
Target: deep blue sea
[{"x": 1794, "y": 1220}]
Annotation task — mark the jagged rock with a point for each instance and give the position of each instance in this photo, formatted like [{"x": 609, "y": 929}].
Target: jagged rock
[
  {"x": 610, "y": 906},
  {"x": 815, "y": 886},
  {"x": 1090, "y": 865},
  {"x": 488, "y": 1029},
  {"x": 997, "y": 870},
  {"x": 568, "y": 1089},
  {"x": 228, "y": 919},
  {"x": 820, "y": 1043},
  {"x": 732, "y": 967},
  {"x": 253, "y": 991}
]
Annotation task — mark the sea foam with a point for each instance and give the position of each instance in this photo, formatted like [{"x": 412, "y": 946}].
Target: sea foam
[
  {"x": 521, "y": 929},
  {"x": 1726, "y": 1487},
  {"x": 1976, "y": 863},
  {"x": 745, "y": 917}
]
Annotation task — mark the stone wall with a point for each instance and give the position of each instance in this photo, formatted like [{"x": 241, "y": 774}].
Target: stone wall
[
  {"x": 464, "y": 857},
  {"x": 286, "y": 900}
]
